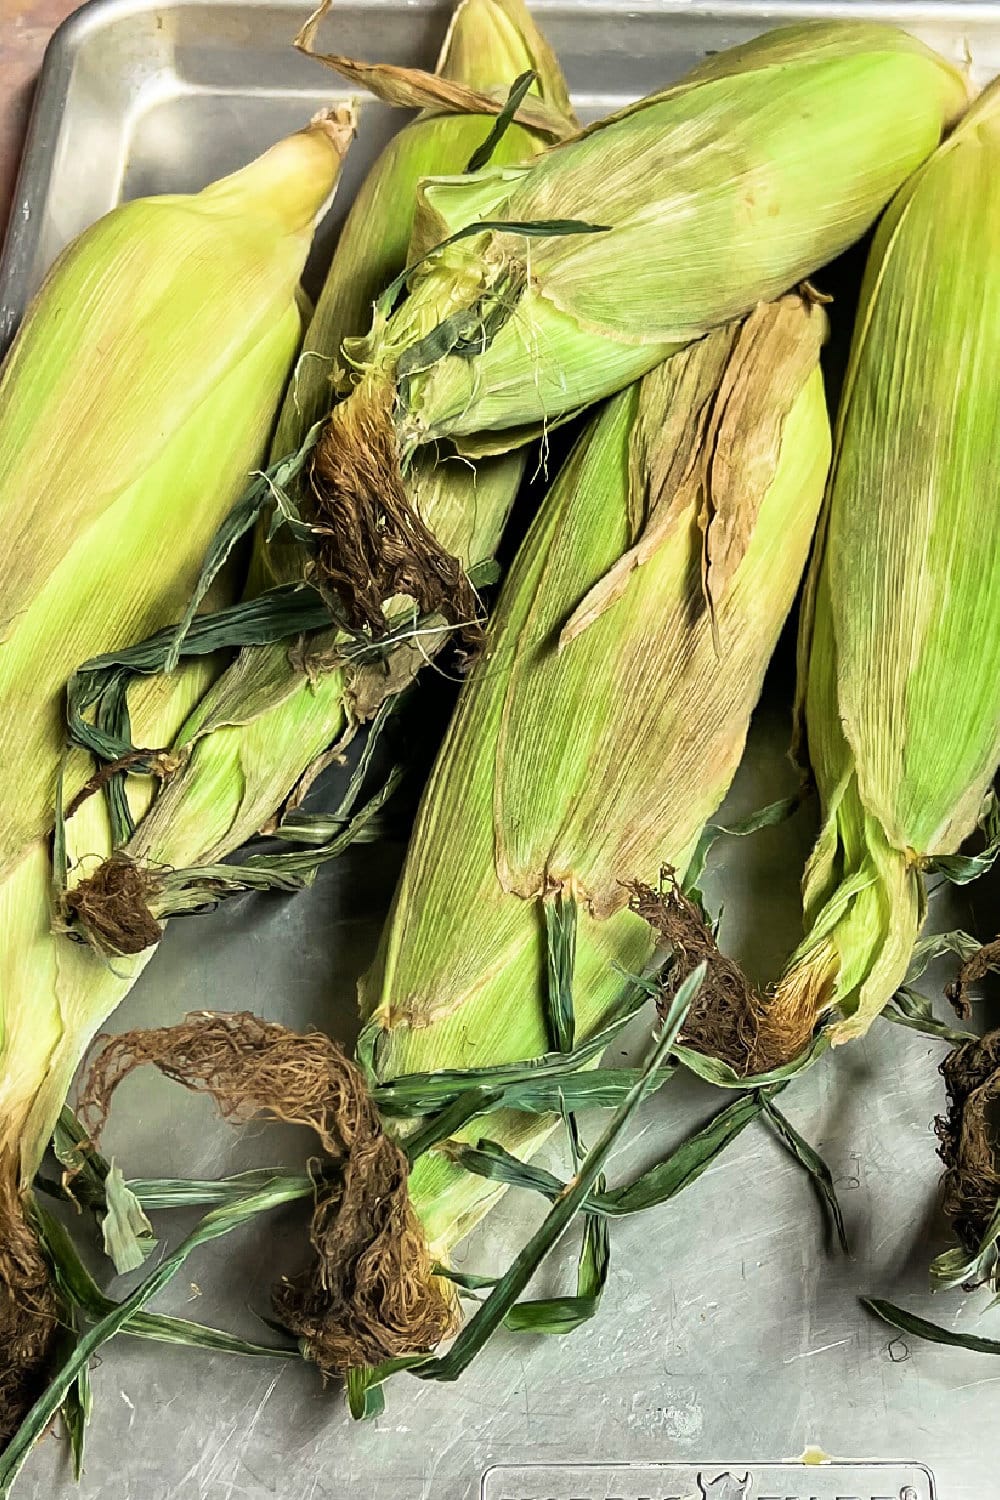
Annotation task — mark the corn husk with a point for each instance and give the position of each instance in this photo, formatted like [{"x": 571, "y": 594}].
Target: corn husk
[
  {"x": 256, "y": 740},
  {"x": 137, "y": 397},
  {"x": 718, "y": 193},
  {"x": 899, "y": 668},
  {"x": 608, "y": 715}
]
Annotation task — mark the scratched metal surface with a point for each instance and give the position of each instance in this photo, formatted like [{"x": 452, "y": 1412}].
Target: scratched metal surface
[{"x": 728, "y": 1329}]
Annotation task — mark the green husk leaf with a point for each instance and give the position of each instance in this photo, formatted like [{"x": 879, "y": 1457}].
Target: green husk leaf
[
  {"x": 82, "y": 1294},
  {"x": 685, "y": 1164},
  {"x": 531, "y": 229},
  {"x": 725, "y": 1077},
  {"x": 201, "y": 887},
  {"x": 128, "y": 1234},
  {"x": 809, "y": 1158},
  {"x": 219, "y": 1222},
  {"x": 289, "y": 609},
  {"x": 365, "y": 1398},
  {"x": 526, "y": 1085},
  {"x": 906, "y": 1322},
  {"x": 463, "y": 1108},
  {"x": 263, "y": 490},
  {"x": 78, "y": 1406},
  {"x": 908, "y": 1008},
  {"x": 561, "y": 1315},
  {"x": 183, "y": 1192},
  {"x": 527, "y": 1092},
  {"x": 466, "y": 1281},
  {"x": 518, "y": 89},
  {"x": 508, "y": 1289},
  {"x": 86, "y": 1169},
  {"x": 962, "y": 869},
  {"x": 560, "y": 946},
  {"x": 962, "y": 944},
  {"x": 954, "y": 1268},
  {"x": 768, "y": 816},
  {"x": 656, "y": 1185},
  {"x": 491, "y": 1160},
  {"x": 318, "y": 828}
]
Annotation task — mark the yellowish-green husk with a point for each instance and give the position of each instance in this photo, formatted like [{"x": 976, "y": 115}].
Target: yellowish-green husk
[
  {"x": 136, "y": 399},
  {"x": 267, "y": 721},
  {"x": 109, "y": 534},
  {"x": 607, "y": 717},
  {"x": 900, "y": 653},
  {"x": 721, "y": 192}
]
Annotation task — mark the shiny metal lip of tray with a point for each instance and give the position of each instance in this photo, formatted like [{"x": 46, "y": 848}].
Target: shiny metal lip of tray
[
  {"x": 756, "y": 1345},
  {"x": 151, "y": 95}
]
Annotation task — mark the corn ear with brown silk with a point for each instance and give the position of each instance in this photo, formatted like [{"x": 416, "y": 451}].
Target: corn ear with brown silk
[
  {"x": 607, "y": 716},
  {"x": 255, "y": 742},
  {"x": 617, "y": 247},
  {"x": 114, "y": 473},
  {"x": 899, "y": 651}
]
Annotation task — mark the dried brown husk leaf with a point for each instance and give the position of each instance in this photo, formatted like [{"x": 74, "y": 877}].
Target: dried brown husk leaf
[
  {"x": 413, "y": 88},
  {"x": 718, "y": 446}
]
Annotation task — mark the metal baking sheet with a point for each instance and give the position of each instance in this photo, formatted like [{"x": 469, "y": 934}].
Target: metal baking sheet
[{"x": 728, "y": 1326}]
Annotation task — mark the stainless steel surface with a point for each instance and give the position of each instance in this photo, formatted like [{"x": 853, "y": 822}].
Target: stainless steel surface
[{"x": 728, "y": 1327}]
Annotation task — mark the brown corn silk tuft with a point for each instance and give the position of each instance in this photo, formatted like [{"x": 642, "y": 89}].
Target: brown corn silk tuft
[
  {"x": 372, "y": 544},
  {"x": 722, "y": 1022},
  {"x": 972, "y": 972},
  {"x": 969, "y": 1142},
  {"x": 370, "y": 1294},
  {"x": 112, "y": 907},
  {"x": 29, "y": 1310}
]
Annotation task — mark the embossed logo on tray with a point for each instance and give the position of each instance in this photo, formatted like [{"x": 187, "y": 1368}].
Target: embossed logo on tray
[{"x": 870, "y": 1481}]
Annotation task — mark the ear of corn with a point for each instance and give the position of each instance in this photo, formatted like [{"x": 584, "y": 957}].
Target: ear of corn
[
  {"x": 608, "y": 715},
  {"x": 130, "y": 533},
  {"x": 900, "y": 671},
  {"x": 268, "y": 720},
  {"x": 137, "y": 397},
  {"x": 719, "y": 193},
  {"x": 134, "y": 402}
]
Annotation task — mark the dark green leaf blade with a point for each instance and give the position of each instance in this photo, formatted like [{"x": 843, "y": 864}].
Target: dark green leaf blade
[
  {"x": 920, "y": 1328},
  {"x": 509, "y": 1288},
  {"x": 562, "y": 1315},
  {"x": 560, "y": 946},
  {"x": 809, "y": 1158},
  {"x": 483, "y": 154},
  {"x": 219, "y": 1222}
]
